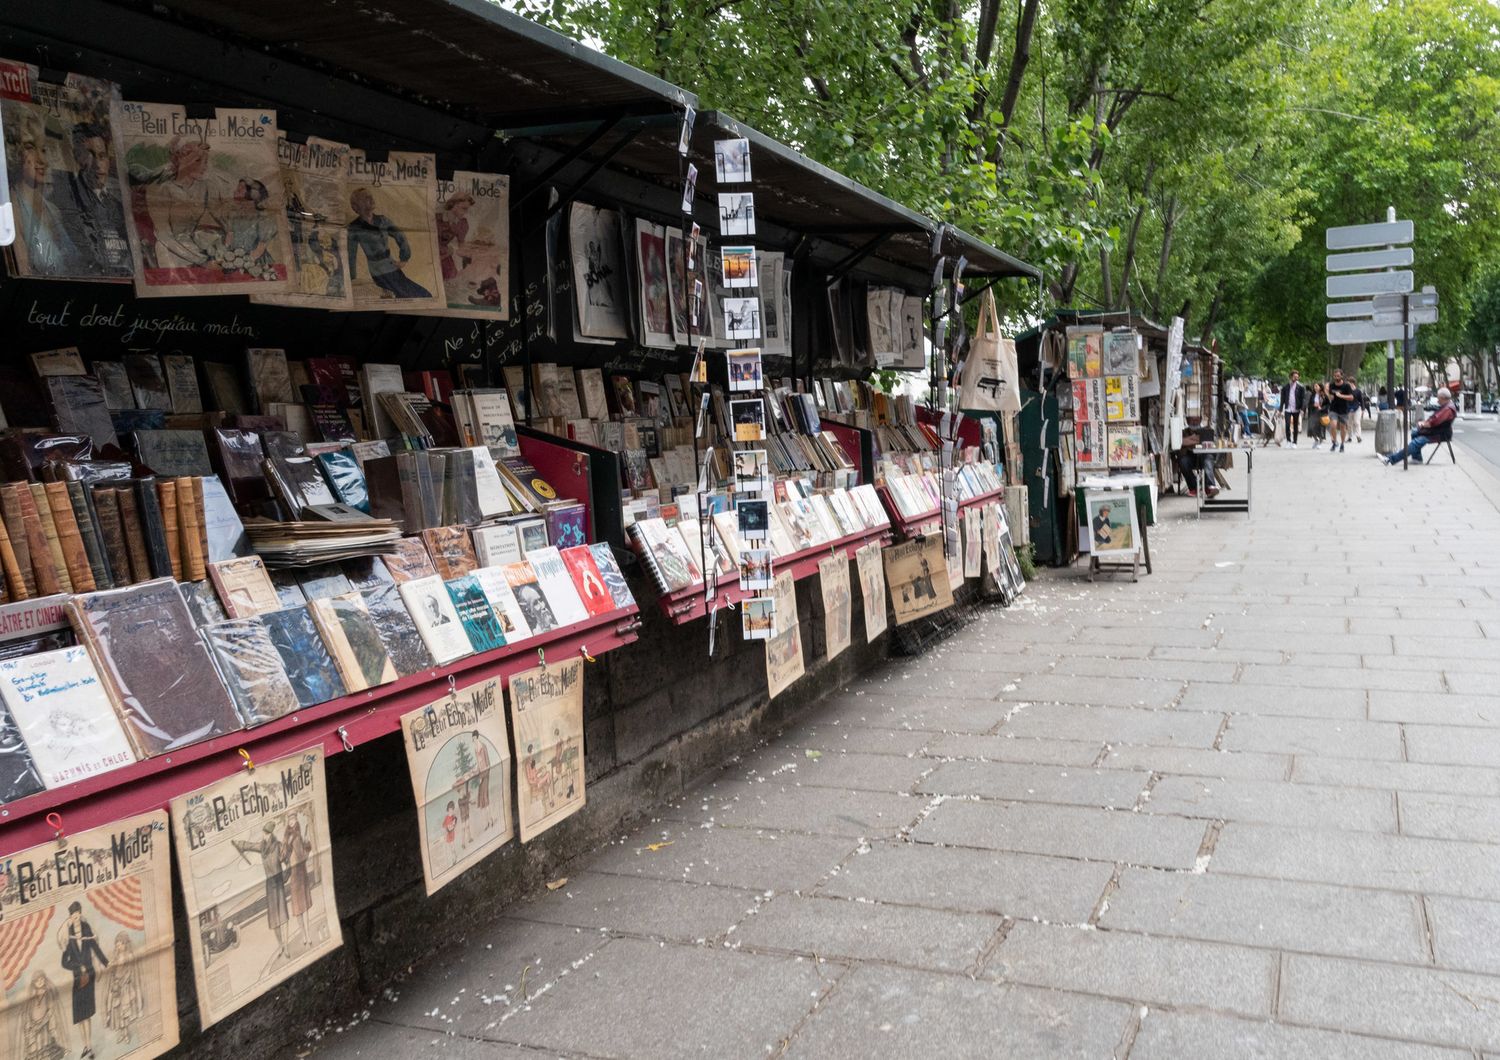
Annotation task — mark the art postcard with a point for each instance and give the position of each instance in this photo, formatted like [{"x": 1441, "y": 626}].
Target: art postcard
[
  {"x": 737, "y": 214},
  {"x": 392, "y": 234},
  {"x": 458, "y": 748},
  {"x": 755, "y": 569},
  {"x": 784, "y": 662},
  {"x": 602, "y": 300},
  {"x": 753, "y": 519},
  {"x": 752, "y": 471},
  {"x": 207, "y": 210},
  {"x": 64, "y": 176},
  {"x": 871, "y": 570},
  {"x": 732, "y": 161},
  {"x": 739, "y": 267},
  {"x": 315, "y": 182},
  {"x": 833, "y": 577},
  {"x": 745, "y": 372},
  {"x": 256, "y": 867},
  {"x": 741, "y": 317},
  {"x": 749, "y": 417},
  {"x": 689, "y": 189},
  {"x": 656, "y": 294},
  {"x": 1112, "y": 522},
  {"x": 1127, "y": 445},
  {"x": 546, "y": 705},
  {"x": 86, "y": 958},
  {"x": 917, "y": 573},
  {"x": 473, "y": 238},
  {"x": 757, "y": 618}
]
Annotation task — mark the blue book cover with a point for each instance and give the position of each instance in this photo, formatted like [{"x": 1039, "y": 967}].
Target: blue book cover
[
  {"x": 308, "y": 665},
  {"x": 474, "y": 611}
]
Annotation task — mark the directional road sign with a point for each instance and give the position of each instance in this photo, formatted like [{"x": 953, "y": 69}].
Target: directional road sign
[
  {"x": 1342, "y": 332},
  {"x": 1371, "y": 259},
  {"x": 1360, "y": 284},
  {"x": 1348, "y": 310},
  {"x": 1353, "y": 237}
]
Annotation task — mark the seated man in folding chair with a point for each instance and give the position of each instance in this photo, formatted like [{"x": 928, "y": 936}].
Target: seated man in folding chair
[
  {"x": 1190, "y": 462},
  {"x": 1435, "y": 429}
]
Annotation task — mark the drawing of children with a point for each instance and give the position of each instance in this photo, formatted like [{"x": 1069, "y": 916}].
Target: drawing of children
[
  {"x": 41, "y": 1034},
  {"x": 450, "y": 825}
]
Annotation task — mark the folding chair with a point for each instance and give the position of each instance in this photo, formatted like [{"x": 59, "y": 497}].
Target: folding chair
[{"x": 1438, "y": 445}]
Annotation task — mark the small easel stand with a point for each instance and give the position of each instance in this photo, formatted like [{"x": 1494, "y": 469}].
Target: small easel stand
[{"x": 1138, "y": 527}]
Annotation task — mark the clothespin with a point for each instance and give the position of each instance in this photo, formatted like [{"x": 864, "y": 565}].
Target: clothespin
[
  {"x": 344, "y": 738},
  {"x": 249, "y": 765},
  {"x": 55, "y": 822},
  {"x": 583, "y": 649}
]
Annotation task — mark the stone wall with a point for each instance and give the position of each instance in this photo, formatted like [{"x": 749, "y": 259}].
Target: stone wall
[{"x": 659, "y": 715}]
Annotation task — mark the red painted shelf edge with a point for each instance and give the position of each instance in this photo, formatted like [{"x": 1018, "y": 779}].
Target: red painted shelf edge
[
  {"x": 687, "y": 605},
  {"x": 151, "y": 784}
]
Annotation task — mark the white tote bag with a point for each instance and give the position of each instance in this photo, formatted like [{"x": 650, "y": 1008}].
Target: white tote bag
[{"x": 992, "y": 378}]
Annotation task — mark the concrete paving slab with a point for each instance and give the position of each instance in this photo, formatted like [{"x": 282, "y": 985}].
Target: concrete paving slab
[
  {"x": 1173, "y": 1035},
  {"x": 377, "y": 1040},
  {"x": 1464, "y": 933},
  {"x": 684, "y": 912},
  {"x": 1275, "y": 802},
  {"x": 784, "y": 807},
  {"x": 1453, "y": 745},
  {"x": 1396, "y": 776},
  {"x": 1308, "y": 674},
  {"x": 1314, "y": 736},
  {"x": 1258, "y": 697},
  {"x": 1007, "y": 747},
  {"x": 1451, "y": 709},
  {"x": 1195, "y": 761},
  {"x": 1451, "y": 817},
  {"x": 1066, "y": 831},
  {"x": 730, "y": 857},
  {"x": 1073, "y": 785},
  {"x": 833, "y": 769},
  {"x": 1115, "y": 725},
  {"x": 1094, "y": 691},
  {"x": 834, "y": 734}
]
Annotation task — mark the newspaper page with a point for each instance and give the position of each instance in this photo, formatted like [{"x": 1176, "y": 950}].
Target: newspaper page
[
  {"x": 547, "y": 714},
  {"x": 473, "y": 233},
  {"x": 459, "y": 752},
  {"x": 257, "y": 878},
  {"x": 392, "y": 233},
  {"x": 315, "y": 182},
  {"x": 784, "y": 662},
  {"x": 86, "y": 959},
  {"x": 833, "y": 578},
  {"x": 872, "y": 589}
]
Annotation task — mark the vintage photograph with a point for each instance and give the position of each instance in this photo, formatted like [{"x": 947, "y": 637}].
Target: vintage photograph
[
  {"x": 741, "y": 318},
  {"x": 917, "y": 573},
  {"x": 755, "y": 569},
  {"x": 732, "y": 161},
  {"x": 257, "y": 884},
  {"x": 737, "y": 214},
  {"x": 739, "y": 268},
  {"x": 392, "y": 232},
  {"x": 458, "y": 749},
  {"x": 1112, "y": 522},
  {"x": 599, "y": 291},
  {"x": 547, "y": 717},
  {"x": 753, "y": 519},
  {"x": 689, "y": 188},
  {"x": 1121, "y": 353},
  {"x": 473, "y": 233},
  {"x": 206, "y": 208},
  {"x": 758, "y": 617},
  {"x": 749, "y": 418},
  {"x": 745, "y": 370}
]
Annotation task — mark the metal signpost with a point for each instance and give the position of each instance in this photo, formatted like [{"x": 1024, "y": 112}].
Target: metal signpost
[{"x": 1387, "y": 309}]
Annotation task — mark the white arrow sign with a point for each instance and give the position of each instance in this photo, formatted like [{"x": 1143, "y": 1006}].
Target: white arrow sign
[
  {"x": 1359, "y": 284},
  {"x": 1352, "y": 237},
  {"x": 1347, "y": 310},
  {"x": 1370, "y": 259},
  {"x": 1344, "y": 332}
]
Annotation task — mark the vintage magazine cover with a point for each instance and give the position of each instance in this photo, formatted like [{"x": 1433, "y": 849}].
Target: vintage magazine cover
[
  {"x": 315, "y": 182},
  {"x": 207, "y": 210},
  {"x": 392, "y": 234},
  {"x": 64, "y": 176},
  {"x": 459, "y": 753},
  {"x": 871, "y": 588},
  {"x": 547, "y": 715},
  {"x": 599, "y": 274},
  {"x": 473, "y": 234},
  {"x": 257, "y": 879},
  {"x": 917, "y": 573},
  {"x": 833, "y": 576},
  {"x": 784, "y": 648},
  {"x": 86, "y": 958}
]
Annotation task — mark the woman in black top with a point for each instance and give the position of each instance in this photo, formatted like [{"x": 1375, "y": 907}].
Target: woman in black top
[{"x": 80, "y": 949}]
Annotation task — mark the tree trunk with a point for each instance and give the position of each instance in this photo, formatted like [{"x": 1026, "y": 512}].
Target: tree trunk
[
  {"x": 1135, "y": 231},
  {"x": 1168, "y": 223},
  {"x": 1213, "y": 315},
  {"x": 1019, "y": 58},
  {"x": 1106, "y": 280}
]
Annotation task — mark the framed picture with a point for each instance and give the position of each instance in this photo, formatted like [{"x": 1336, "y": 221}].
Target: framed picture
[{"x": 1112, "y": 522}]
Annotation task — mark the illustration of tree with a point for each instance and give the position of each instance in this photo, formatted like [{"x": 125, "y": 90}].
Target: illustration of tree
[{"x": 464, "y": 763}]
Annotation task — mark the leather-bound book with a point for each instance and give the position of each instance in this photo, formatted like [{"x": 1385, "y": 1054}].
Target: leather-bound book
[
  {"x": 15, "y": 527},
  {"x": 69, "y": 537},
  {"x": 41, "y": 510},
  {"x": 135, "y": 534},
  {"x": 112, "y": 533},
  {"x": 88, "y": 529},
  {"x": 166, "y": 497},
  {"x": 15, "y": 586},
  {"x": 148, "y": 504},
  {"x": 189, "y": 539}
]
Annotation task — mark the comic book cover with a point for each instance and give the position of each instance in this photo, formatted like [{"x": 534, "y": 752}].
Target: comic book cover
[
  {"x": 206, "y": 209},
  {"x": 392, "y": 233},
  {"x": 546, "y": 706},
  {"x": 256, "y": 867},
  {"x": 459, "y": 752},
  {"x": 86, "y": 960}
]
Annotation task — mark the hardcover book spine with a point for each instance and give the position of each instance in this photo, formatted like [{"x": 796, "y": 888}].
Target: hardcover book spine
[
  {"x": 88, "y": 528},
  {"x": 41, "y": 511},
  {"x": 166, "y": 499},
  {"x": 189, "y": 542},
  {"x": 15, "y": 588},
  {"x": 198, "y": 511},
  {"x": 134, "y": 528},
  {"x": 112, "y": 534},
  {"x": 15, "y": 526},
  {"x": 69, "y": 537},
  {"x": 148, "y": 507}
]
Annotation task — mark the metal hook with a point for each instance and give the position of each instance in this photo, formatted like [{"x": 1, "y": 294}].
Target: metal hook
[
  {"x": 583, "y": 649},
  {"x": 344, "y": 736},
  {"x": 541, "y": 657},
  {"x": 249, "y": 765},
  {"x": 55, "y": 822},
  {"x": 452, "y": 687}
]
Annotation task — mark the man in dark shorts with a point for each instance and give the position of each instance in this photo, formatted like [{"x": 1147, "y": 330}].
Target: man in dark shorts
[{"x": 1341, "y": 410}]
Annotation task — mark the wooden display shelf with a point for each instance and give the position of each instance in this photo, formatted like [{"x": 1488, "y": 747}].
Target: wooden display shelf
[
  {"x": 338, "y": 725},
  {"x": 907, "y": 527},
  {"x": 685, "y": 605}
]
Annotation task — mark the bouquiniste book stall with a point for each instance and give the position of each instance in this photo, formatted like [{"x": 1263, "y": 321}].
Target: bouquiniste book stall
[{"x": 243, "y": 529}]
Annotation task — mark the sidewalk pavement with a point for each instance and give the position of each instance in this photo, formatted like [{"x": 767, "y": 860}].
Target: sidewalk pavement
[{"x": 1247, "y": 806}]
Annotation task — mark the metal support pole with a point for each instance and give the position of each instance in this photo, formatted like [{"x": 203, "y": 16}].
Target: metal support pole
[{"x": 1406, "y": 351}]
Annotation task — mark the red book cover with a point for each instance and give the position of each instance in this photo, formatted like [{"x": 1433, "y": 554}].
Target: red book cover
[{"x": 587, "y": 580}]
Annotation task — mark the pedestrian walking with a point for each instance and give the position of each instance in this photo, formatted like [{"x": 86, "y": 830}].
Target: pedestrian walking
[
  {"x": 1341, "y": 410},
  {"x": 1293, "y": 402},
  {"x": 1317, "y": 413},
  {"x": 1361, "y": 410}
]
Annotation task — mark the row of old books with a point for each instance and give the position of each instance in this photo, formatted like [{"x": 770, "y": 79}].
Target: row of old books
[
  {"x": 915, "y": 487},
  {"x": 799, "y": 516},
  {"x": 75, "y": 537},
  {"x": 123, "y": 675}
]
